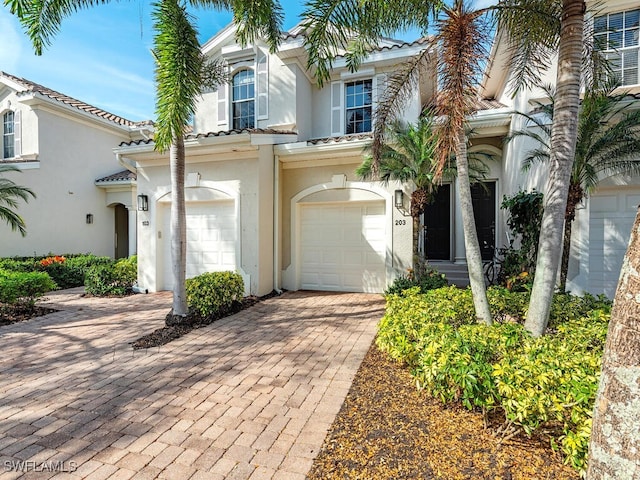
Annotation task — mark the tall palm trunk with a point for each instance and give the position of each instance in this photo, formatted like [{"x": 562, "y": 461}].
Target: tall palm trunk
[
  {"x": 575, "y": 196},
  {"x": 563, "y": 145},
  {"x": 178, "y": 227},
  {"x": 472, "y": 246},
  {"x": 614, "y": 447}
]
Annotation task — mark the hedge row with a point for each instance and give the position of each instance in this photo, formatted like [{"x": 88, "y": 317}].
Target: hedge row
[{"x": 546, "y": 383}]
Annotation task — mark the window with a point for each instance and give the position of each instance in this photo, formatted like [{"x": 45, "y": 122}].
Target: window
[
  {"x": 8, "y": 138},
  {"x": 243, "y": 96},
  {"x": 358, "y": 100},
  {"x": 617, "y": 35}
]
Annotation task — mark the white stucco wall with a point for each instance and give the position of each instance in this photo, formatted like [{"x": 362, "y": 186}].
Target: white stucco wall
[{"x": 71, "y": 155}]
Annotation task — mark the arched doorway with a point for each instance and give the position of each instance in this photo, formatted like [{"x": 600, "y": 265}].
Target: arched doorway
[{"x": 121, "y": 240}]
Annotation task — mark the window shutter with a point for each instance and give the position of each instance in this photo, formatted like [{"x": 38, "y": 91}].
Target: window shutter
[
  {"x": 262, "y": 85},
  {"x": 17, "y": 133},
  {"x": 337, "y": 112},
  {"x": 223, "y": 108}
]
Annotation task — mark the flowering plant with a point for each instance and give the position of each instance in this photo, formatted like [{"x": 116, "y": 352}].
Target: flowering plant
[{"x": 45, "y": 262}]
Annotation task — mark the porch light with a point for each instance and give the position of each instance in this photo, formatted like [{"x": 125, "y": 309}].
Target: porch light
[
  {"x": 143, "y": 203},
  {"x": 399, "y": 199},
  {"x": 89, "y": 218}
]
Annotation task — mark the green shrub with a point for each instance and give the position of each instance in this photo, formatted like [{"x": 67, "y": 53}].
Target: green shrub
[
  {"x": 210, "y": 294},
  {"x": 24, "y": 287},
  {"x": 112, "y": 278},
  {"x": 428, "y": 280},
  {"x": 71, "y": 272},
  {"x": 548, "y": 382}
]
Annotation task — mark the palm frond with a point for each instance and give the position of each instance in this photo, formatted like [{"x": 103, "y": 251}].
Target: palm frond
[
  {"x": 179, "y": 67},
  {"x": 254, "y": 20},
  {"x": 41, "y": 19}
]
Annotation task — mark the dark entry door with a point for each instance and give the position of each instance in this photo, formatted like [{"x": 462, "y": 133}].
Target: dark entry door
[
  {"x": 437, "y": 222},
  {"x": 484, "y": 211},
  {"x": 122, "y": 232}
]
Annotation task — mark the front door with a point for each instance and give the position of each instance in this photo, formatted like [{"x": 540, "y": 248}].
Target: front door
[
  {"x": 437, "y": 223},
  {"x": 121, "y": 232},
  {"x": 484, "y": 211}
]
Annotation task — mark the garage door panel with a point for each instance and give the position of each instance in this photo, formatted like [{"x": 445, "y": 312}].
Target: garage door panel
[
  {"x": 211, "y": 239},
  {"x": 611, "y": 220},
  {"x": 342, "y": 247}
]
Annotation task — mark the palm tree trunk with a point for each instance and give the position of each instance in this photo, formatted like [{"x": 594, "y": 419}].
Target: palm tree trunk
[
  {"x": 563, "y": 145},
  {"x": 178, "y": 227},
  {"x": 566, "y": 251},
  {"x": 614, "y": 447},
  {"x": 472, "y": 246},
  {"x": 417, "y": 264}
]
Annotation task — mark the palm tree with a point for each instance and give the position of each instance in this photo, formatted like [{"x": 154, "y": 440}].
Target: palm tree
[
  {"x": 614, "y": 442},
  {"x": 180, "y": 72},
  {"x": 459, "y": 45},
  {"x": 10, "y": 193},
  {"x": 608, "y": 143}
]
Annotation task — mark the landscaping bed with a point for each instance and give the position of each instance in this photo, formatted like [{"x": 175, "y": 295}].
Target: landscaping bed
[
  {"x": 386, "y": 429},
  {"x": 19, "y": 313}
]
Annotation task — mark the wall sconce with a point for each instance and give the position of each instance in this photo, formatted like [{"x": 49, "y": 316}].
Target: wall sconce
[
  {"x": 89, "y": 218},
  {"x": 399, "y": 199},
  {"x": 143, "y": 203}
]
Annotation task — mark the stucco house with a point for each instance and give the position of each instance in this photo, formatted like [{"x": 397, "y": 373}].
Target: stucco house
[
  {"x": 603, "y": 222},
  {"x": 64, "y": 148},
  {"x": 270, "y": 185}
]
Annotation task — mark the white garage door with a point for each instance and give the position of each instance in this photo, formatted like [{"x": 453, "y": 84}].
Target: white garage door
[
  {"x": 343, "y": 247},
  {"x": 211, "y": 239},
  {"x": 612, "y": 215}
]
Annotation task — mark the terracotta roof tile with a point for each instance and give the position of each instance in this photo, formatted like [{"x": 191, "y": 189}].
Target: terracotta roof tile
[
  {"x": 32, "y": 87},
  {"x": 192, "y": 136},
  {"x": 122, "y": 176},
  {"x": 488, "y": 104},
  {"x": 341, "y": 139}
]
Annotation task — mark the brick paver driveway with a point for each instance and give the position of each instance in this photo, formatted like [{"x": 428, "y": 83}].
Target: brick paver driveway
[{"x": 250, "y": 396}]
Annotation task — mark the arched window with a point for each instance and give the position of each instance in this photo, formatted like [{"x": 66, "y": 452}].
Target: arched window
[
  {"x": 8, "y": 135},
  {"x": 243, "y": 99}
]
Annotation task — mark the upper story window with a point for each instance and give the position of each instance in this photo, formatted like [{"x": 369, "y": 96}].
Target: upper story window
[
  {"x": 8, "y": 135},
  {"x": 617, "y": 35},
  {"x": 358, "y": 101},
  {"x": 243, "y": 99}
]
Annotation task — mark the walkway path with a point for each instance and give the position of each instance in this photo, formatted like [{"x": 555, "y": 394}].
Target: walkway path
[{"x": 249, "y": 397}]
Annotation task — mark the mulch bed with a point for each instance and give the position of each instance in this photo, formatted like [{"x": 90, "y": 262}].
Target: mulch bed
[
  {"x": 164, "y": 335},
  {"x": 386, "y": 429},
  {"x": 19, "y": 313}
]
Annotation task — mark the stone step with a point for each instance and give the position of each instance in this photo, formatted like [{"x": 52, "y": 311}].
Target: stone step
[{"x": 456, "y": 274}]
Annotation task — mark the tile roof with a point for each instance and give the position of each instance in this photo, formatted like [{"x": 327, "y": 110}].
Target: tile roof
[
  {"x": 122, "y": 176},
  {"x": 488, "y": 104},
  {"x": 32, "y": 87},
  {"x": 192, "y": 136},
  {"x": 341, "y": 139}
]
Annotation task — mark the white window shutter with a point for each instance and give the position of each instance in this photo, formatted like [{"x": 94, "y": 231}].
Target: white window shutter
[
  {"x": 223, "y": 107},
  {"x": 337, "y": 112},
  {"x": 262, "y": 85},
  {"x": 17, "y": 133}
]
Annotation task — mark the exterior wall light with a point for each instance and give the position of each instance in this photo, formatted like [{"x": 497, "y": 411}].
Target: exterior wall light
[
  {"x": 399, "y": 199},
  {"x": 143, "y": 203},
  {"x": 89, "y": 218}
]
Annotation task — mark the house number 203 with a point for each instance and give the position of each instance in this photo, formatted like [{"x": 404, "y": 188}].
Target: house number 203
[{"x": 401, "y": 222}]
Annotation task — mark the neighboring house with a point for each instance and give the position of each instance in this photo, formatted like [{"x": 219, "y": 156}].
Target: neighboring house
[
  {"x": 603, "y": 223},
  {"x": 64, "y": 148}
]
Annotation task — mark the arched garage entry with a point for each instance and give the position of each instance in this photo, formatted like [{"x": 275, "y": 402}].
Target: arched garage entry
[
  {"x": 212, "y": 233},
  {"x": 341, "y": 237}
]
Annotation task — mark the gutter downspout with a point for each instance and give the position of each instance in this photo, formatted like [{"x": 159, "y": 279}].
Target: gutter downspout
[{"x": 276, "y": 222}]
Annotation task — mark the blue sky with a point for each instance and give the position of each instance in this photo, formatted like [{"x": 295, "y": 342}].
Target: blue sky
[{"x": 102, "y": 55}]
